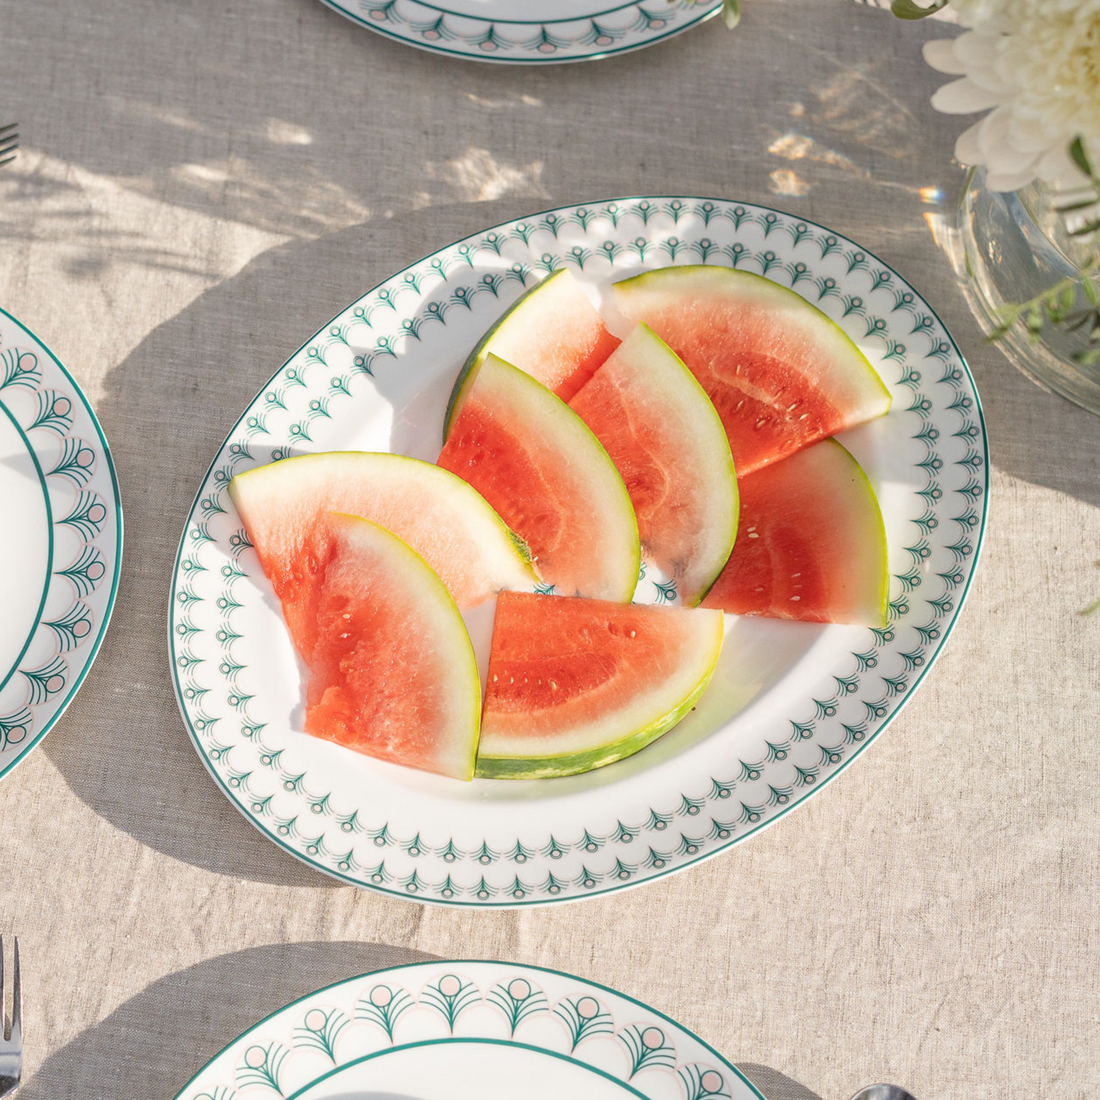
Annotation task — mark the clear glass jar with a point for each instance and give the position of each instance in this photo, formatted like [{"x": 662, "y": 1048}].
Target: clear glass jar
[{"x": 1015, "y": 246}]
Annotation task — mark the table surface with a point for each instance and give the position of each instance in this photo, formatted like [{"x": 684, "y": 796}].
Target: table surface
[{"x": 200, "y": 186}]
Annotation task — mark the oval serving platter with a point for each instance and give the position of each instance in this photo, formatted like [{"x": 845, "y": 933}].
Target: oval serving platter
[
  {"x": 445, "y": 1030},
  {"x": 791, "y": 704},
  {"x": 527, "y": 32},
  {"x": 60, "y": 539}
]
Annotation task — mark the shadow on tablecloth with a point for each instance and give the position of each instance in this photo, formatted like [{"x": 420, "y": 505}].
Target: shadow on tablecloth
[
  {"x": 123, "y": 748},
  {"x": 775, "y": 1085},
  {"x": 842, "y": 144},
  {"x": 166, "y": 410},
  {"x": 156, "y": 1042}
]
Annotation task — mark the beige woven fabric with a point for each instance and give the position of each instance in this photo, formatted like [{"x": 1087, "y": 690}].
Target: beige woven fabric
[{"x": 201, "y": 185}]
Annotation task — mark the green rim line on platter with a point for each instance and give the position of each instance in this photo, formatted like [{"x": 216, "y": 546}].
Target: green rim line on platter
[
  {"x": 791, "y": 704},
  {"x": 553, "y": 33},
  {"x": 59, "y": 565},
  {"x": 501, "y": 1007}
]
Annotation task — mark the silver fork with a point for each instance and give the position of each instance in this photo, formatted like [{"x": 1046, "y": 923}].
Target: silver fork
[
  {"x": 9, "y": 142},
  {"x": 11, "y": 1038}
]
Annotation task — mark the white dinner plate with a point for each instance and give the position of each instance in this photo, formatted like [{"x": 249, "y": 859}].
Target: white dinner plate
[
  {"x": 468, "y": 1031},
  {"x": 527, "y": 32},
  {"x": 60, "y": 539},
  {"x": 791, "y": 704}
]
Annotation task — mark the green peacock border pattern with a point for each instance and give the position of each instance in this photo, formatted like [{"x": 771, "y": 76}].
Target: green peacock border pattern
[
  {"x": 934, "y": 396},
  {"x": 85, "y": 517},
  {"x": 615, "y": 29},
  {"x": 427, "y": 1004}
]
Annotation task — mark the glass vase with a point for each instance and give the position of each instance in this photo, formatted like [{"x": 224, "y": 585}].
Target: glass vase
[{"x": 1015, "y": 245}]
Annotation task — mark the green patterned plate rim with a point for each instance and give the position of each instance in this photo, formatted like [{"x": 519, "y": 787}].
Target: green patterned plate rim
[
  {"x": 60, "y": 561},
  {"x": 791, "y": 706},
  {"x": 538, "y": 32},
  {"x": 526, "y": 1010}
]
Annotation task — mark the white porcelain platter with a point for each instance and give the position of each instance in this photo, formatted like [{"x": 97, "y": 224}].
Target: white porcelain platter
[{"x": 791, "y": 706}]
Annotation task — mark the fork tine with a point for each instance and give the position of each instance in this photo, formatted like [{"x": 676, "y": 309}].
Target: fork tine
[
  {"x": 9, "y": 143},
  {"x": 9, "y": 126},
  {"x": 17, "y": 1003}
]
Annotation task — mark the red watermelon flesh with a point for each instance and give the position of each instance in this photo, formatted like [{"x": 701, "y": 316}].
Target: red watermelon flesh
[
  {"x": 532, "y": 458},
  {"x": 553, "y": 333},
  {"x": 574, "y": 684},
  {"x": 668, "y": 443},
  {"x": 780, "y": 373},
  {"x": 393, "y": 673},
  {"x": 811, "y": 544},
  {"x": 283, "y": 505}
]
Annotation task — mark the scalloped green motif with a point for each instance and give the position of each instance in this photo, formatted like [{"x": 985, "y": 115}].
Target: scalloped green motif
[
  {"x": 535, "y": 32},
  {"x": 791, "y": 704},
  {"x": 61, "y": 541},
  {"x": 576, "y": 1035}
]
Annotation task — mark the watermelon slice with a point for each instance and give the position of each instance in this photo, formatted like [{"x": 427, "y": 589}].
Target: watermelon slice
[
  {"x": 393, "y": 674},
  {"x": 438, "y": 514},
  {"x": 575, "y": 684},
  {"x": 668, "y": 443},
  {"x": 531, "y": 457},
  {"x": 811, "y": 545},
  {"x": 780, "y": 373},
  {"x": 553, "y": 332}
]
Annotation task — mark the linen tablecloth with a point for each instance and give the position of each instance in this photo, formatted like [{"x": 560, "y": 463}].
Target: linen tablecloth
[{"x": 201, "y": 186}]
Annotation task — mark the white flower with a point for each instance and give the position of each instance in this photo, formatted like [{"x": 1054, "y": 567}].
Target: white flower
[{"x": 1035, "y": 66}]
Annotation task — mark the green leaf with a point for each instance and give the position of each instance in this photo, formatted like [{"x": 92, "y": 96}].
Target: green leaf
[
  {"x": 1092, "y": 292},
  {"x": 1090, "y": 609},
  {"x": 1079, "y": 156},
  {"x": 1073, "y": 207},
  {"x": 908, "y": 9},
  {"x": 731, "y": 12},
  {"x": 1074, "y": 321}
]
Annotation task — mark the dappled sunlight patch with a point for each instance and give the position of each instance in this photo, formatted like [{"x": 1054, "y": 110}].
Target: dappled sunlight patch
[{"x": 478, "y": 176}]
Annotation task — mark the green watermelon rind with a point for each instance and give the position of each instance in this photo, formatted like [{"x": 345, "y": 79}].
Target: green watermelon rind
[
  {"x": 864, "y": 374},
  {"x": 618, "y": 747},
  {"x": 554, "y": 767},
  {"x": 446, "y": 616},
  {"x": 477, "y": 356}
]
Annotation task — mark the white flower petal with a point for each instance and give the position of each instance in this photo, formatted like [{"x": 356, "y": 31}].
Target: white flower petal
[
  {"x": 980, "y": 54},
  {"x": 963, "y": 97},
  {"x": 1009, "y": 181},
  {"x": 968, "y": 147},
  {"x": 1006, "y": 159},
  {"x": 993, "y": 131},
  {"x": 1056, "y": 167},
  {"x": 1031, "y": 134},
  {"x": 991, "y": 81},
  {"x": 940, "y": 55},
  {"x": 975, "y": 50},
  {"x": 1033, "y": 65}
]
